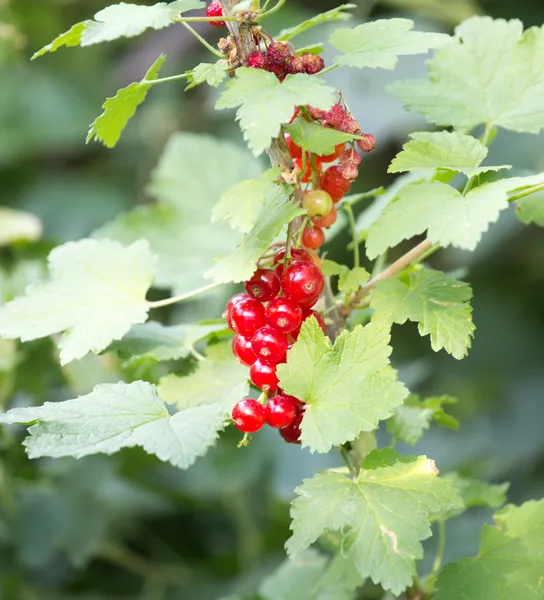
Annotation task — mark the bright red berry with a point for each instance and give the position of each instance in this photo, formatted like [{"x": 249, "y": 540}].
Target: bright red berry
[
  {"x": 242, "y": 349},
  {"x": 263, "y": 375},
  {"x": 248, "y": 415},
  {"x": 338, "y": 150},
  {"x": 214, "y": 10},
  {"x": 280, "y": 411},
  {"x": 264, "y": 285},
  {"x": 317, "y": 203},
  {"x": 246, "y": 316},
  {"x": 303, "y": 283},
  {"x": 283, "y": 314},
  {"x": 269, "y": 344},
  {"x": 334, "y": 182},
  {"x": 294, "y": 149},
  {"x": 313, "y": 237},
  {"x": 326, "y": 221},
  {"x": 296, "y": 254},
  {"x": 234, "y": 300},
  {"x": 318, "y": 317},
  {"x": 291, "y": 433}
]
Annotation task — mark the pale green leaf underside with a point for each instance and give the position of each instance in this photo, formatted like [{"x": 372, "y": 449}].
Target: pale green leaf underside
[
  {"x": 241, "y": 204},
  {"x": 493, "y": 73},
  {"x": 348, "y": 388},
  {"x": 96, "y": 291},
  {"x": 212, "y": 73},
  {"x": 438, "y": 303},
  {"x": 378, "y": 44},
  {"x": 316, "y": 138},
  {"x": 115, "y": 416},
  {"x": 121, "y": 20},
  {"x": 277, "y": 212},
  {"x": 449, "y": 217},
  {"x": 265, "y": 103},
  {"x": 118, "y": 111},
  {"x": 220, "y": 379},
  {"x": 510, "y": 563},
  {"x": 452, "y": 151},
  {"x": 382, "y": 515},
  {"x": 335, "y": 14},
  {"x": 531, "y": 209},
  {"x": 17, "y": 225}
]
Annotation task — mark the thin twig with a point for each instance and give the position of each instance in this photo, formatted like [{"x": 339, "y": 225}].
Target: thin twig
[
  {"x": 202, "y": 40},
  {"x": 182, "y": 297}
]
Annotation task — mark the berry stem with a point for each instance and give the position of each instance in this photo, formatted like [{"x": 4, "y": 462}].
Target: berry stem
[
  {"x": 182, "y": 297},
  {"x": 202, "y": 40},
  {"x": 344, "y": 451},
  {"x": 351, "y": 217},
  {"x": 526, "y": 192},
  {"x": 203, "y": 19},
  {"x": 165, "y": 79},
  {"x": 274, "y": 9},
  {"x": 327, "y": 69},
  {"x": 355, "y": 198}
]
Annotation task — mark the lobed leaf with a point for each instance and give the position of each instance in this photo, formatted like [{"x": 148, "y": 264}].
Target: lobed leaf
[
  {"x": 96, "y": 291},
  {"x": 531, "y": 209},
  {"x": 370, "y": 514},
  {"x": 118, "y": 111},
  {"x": 475, "y": 492},
  {"x": 440, "y": 305},
  {"x": 348, "y": 387},
  {"x": 378, "y": 44},
  {"x": 212, "y": 73},
  {"x": 492, "y": 73},
  {"x": 316, "y": 138},
  {"x": 116, "y": 416},
  {"x": 265, "y": 103}
]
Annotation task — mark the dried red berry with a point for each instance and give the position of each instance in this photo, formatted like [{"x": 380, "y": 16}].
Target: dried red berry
[
  {"x": 313, "y": 63},
  {"x": 258, "y": 60},
  {"x": 368, "y": 143},
  {"x": 214, "y": 10}
]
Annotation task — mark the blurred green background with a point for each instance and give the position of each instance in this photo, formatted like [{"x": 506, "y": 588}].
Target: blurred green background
[{"x": 128, "y": 527}]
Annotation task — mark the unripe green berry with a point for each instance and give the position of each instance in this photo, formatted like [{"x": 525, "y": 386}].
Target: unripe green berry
[{"x": 317, "y": 203}]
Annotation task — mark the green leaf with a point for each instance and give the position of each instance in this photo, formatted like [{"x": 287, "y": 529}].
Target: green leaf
[
  {"x": 121, "y": 20},
  {"x": 96, "y": 292},
  {"x": 351, "y": 280},
  {"x": 160, "y": 342},
  {"x": 378, "y": 44},
  {"x": 18, "y": 226},
  {"x": 335, "y": 14},
  {"x": 118, "y": 111},
  {"x": 241, "y": 204},
  {"x": 278, "y": 211},
  {"x": 115, "y": 416},
  {"x": 475, "y": 492},
  {"x": 212, "y": 73},
  {"x": 311, "y": 49},
  {"x": 317, "y": 138},
  {"x": 449, "y": 217},
  {"x": 492, "y": 74},
  {"x": 371, "y": 514},
  {"x": 178, "y": 228},
  {"x": 348, "y": 387},
  {"x": 312, "y": 576},
  {"x": 265, "y": 103},
  {"x": 329, "y": 268},
  {"x": 510, "y": 563},
  {"x": 531, "y": 209},
  {"x": 438, "y": 303},
  {"x": 452, "y": 151},
  {"x": 220, "y": 379},
  {"x": 411, "y": 419}
]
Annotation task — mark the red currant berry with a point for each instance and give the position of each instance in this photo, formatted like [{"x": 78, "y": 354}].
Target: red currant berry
[
  {"x": 294, "y": 149},
  {"x": 264, "y": 285},
  {"x": 318, "y": 317},
  {"x": 313, "y": 237},
  {"x": 317, "y": 203},
  {"x": 234, "y": 300},
  {"x": 291, "y": 433},
  {"x": 283, "y": 314},
  {"x": 326, "y": 221},
  {"x": 214, "y": 10},
  {"x": 302, "y": 282},
  {"x": 248, "y": 415},
  {"x": 338, "y": 149},
  {"x": 269, "y": 344},
  {"x": 334, "y": 182},
  {"x": 242, "y": 349},
  {"x": 280, "y": 411},
  {"x": 246, "y": 316},
  {"x": 263, "y": 375},
  {"x": 258, "y": 60},
  {"x": 368, "y": 143},
  {"x": 296, "y": 254}
]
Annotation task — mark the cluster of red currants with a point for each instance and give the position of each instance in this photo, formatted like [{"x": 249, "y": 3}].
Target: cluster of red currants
[
  {"x": 266, "y": 325},
  {"x": 280, "y": 60}
]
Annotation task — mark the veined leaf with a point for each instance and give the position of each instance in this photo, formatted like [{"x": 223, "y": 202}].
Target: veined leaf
[
  {"x": 265, "y": 103},
  {"x": 212, "y": 73},
  {"x": 370, "y": 513},
  {"x": 531, "y": 209},
  {"x": 492, "y": 74},
  {"x": 121, "y": 20},
  {"x": 378, "y": 44},
  {"x": 96, "y": 292},
  {"x": 316, "y": 138},
  {"x": 348, "y": 387},
  {"x": 475, "y": 492},
  {"x": 438, "y": 303},
  {"x": 452, "y": 151},
  {"x": 335, "y": 14},
  {"x": 118, "y": 111}
]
